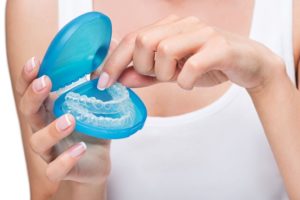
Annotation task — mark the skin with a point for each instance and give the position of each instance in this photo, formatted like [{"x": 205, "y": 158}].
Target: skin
[{"x": 241, "y": 61}]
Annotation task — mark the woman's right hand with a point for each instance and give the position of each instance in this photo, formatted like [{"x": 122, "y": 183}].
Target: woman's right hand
[{"x": 69, "y": 155}]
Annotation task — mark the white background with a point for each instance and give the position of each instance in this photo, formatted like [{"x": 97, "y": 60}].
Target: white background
[{"x": 13, "y": 175}]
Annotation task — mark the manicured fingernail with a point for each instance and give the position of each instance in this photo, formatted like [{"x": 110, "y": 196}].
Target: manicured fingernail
[
  {"x": 30, "y": 65},
  {"x": 39, "y": 84},
  {"x": 77, "y": 150},
  {"x": 63, "y": 122},
  {"x": 103, "y": 81}
]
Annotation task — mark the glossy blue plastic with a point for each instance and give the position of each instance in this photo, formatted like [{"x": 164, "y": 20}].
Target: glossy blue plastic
[
  {"x": 78, "y": 49},
  {"x": 90, "y": 89}
]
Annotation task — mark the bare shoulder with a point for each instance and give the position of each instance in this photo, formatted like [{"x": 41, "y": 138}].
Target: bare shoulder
[
  {"x": 30, "y": 25},
  {"x": 296, "y": 28}
]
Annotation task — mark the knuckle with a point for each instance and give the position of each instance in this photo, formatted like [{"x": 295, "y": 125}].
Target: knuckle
[
  {"x": 24, "y": 108},
  {"x": 20, "y": 85},
  {"x": 164, "y": 48},
  {"x": 18, "y": 89},
  {"x": 229, "y": 53},
  {"x": 50, "y": 175},
  {"x": 130, "y": 38},
  {"x": 220, "y": 40},
  {"x": 35, "y": 145},
  {"x": 227, "y": 49},
  {"x": 143, "y": 40},
  {"x": 27, "y": 108}
]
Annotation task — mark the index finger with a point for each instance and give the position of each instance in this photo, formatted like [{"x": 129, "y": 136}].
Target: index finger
[{"x": 122, "y": 56}]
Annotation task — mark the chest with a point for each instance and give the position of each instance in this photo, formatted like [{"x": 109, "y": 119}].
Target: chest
[
  {"x": 217, "y": 153},
  {"x": 130, "y": 15}
]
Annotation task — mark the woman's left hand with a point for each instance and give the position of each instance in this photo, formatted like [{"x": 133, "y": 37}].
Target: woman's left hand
[{"x": 190, "y": 53}]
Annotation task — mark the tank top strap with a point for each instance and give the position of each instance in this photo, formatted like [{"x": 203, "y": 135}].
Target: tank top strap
[
  {"x": 70, "y": 9},
  {"x": 272, "y": 26}
]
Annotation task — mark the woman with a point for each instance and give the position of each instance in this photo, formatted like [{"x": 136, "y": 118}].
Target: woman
[{"x": 219, "y": 82}]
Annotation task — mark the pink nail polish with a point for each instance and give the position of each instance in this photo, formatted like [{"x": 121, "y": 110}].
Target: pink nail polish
[
  {"x": 77, "y": 150},
  {"x": 103, "y": 81},
  {"x": 39, "y": 84},
  {"x": 30, "y": 65},
  {"x": 63, "y": 123}
]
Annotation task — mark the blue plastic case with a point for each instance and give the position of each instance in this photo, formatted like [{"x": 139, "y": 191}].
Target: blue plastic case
[{"x": 78, "y": 49}]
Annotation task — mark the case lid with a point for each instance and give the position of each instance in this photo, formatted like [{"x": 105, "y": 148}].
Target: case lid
[{"x": 78, "y": 49}]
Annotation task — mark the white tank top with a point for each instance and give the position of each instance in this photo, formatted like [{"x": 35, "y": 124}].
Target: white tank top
[{"x": 217, "y": 152}]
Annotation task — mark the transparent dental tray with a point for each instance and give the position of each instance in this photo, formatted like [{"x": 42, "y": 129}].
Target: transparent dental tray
[{"x": 76, "y": 51}]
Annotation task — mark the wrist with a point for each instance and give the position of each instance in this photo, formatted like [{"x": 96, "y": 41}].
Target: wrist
[
  {"x": 75, "y": 190},
  {"x": 82, "y": 190},
  {"x": 273, "y": 78}
]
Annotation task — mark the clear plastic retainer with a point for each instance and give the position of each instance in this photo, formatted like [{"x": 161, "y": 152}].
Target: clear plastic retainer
[{"x": 115, "y": 113}]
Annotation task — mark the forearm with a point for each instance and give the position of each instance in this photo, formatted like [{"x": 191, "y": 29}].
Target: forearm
[
  {"x": 40, "y": 187},
  {"x": 74, "y": 191},
  {"x": 278, "y": 105}
]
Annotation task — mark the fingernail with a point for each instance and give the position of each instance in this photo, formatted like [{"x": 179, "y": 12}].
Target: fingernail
[
  {"x": 63, "y": 123},
  {"x": 103, "y": 81},
  {"x": 39, "y": 84},
  {"x": 30, "y": 65},
  {"x": 77, "y": 150}
]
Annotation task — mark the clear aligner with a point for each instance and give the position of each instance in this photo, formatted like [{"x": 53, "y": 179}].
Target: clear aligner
[
  {"x": 119, "y": 111},
  {"x": 119, "y": 96},
  {"x": 72, "y": 85}
]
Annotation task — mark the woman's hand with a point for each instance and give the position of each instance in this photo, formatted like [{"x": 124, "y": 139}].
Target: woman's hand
[
  {"x": 69, "y": 155},
  {"x": 191, "y": 53}
]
